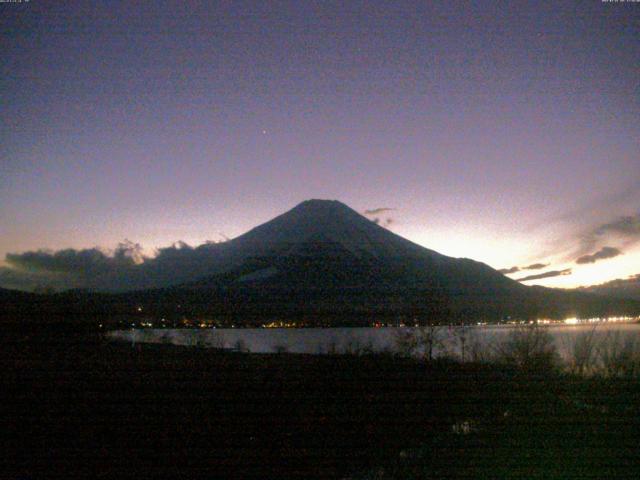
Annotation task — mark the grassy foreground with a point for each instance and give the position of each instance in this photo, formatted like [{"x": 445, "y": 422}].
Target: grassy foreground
[{"x": 81, "y": 407}]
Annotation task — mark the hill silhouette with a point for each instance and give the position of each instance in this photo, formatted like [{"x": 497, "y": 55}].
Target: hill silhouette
[{"x": 620, "y": 288}]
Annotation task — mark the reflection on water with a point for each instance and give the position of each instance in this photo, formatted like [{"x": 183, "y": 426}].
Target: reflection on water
[{"x": 330, "y": 340}]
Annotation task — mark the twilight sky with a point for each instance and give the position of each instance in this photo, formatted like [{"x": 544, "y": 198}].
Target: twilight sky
[{"x": 507, "y": 132}]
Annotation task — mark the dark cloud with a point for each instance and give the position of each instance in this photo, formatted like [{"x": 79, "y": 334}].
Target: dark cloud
[
  {"x": 603, "y": 253},
  {"x": 507, "y": 271},
  {"x": 514, "y": 269},
  {"x": 626, "y": 226},
  {"x": 87, "y": 262},
  {"x": 378, "y": 220},
  {"x": 70, "y": 268},
  {"x": 178, "y": 248},
  {"x": 123, "y": 268},
  {"x": 378, "y": 211},
  {"x": 535, "y": 266},
  {"x": 625, "y": 230},
  {"x": 387, "y": 222},
  {"x": 553, "y": 273}
]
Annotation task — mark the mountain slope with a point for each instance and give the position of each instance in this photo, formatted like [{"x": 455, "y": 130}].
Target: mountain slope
[
  {"x": 324, "y": 259},
  {"x": 325, "y": 246},
  {"x": 628, "y": 288},
  {"x": 312, "y": 220}
]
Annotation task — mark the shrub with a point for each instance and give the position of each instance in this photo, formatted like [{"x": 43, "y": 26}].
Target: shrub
[
  {"x": 529, "y": 348},
  {"x": 459, "y": 336},
  {"x": 619, "y": 356},
  {"x": 424, "y": 341},
  {"x": 477, "y": 350},
  {"x": 201, "y": 342},
  {"x": 217, "y": 340},
  {"x": 240, "y": 345},
  {"x": 430, "y": 340},
  {"x": 332, "y": 347},
  {"x": 582, "y": 353},
  {"x": 356, "y": 347},
  {"x": 280, "y": 348},
  {"x": 406, "y": 341}
]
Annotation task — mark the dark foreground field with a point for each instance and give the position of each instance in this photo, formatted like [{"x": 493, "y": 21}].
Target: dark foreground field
[{"x": 81, "y": 407}]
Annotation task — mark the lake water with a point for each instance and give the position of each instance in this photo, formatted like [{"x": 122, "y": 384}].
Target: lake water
[{"x": 325, "y": 340}]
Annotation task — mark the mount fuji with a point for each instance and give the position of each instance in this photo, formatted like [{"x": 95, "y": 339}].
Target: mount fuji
[{"x": 324, "y": 261}]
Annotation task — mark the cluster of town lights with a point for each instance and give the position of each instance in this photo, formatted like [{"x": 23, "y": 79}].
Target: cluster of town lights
[
  {"x": 570, "y": 321},
  {"x": 185, "y": 323},
  {"x": 577, "y": 321},
  {"x": 279, "y": 324}
]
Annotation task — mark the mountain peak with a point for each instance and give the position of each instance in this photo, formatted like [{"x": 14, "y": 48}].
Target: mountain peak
[
  {"x": 329, "y": 221},
  {"x": 316, "y": 205},
  {"x": 320, "y": 201},
  {"x": 319, "y": 213}
]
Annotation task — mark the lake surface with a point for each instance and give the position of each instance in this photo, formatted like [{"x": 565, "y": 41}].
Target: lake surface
[{"x": 327, "y": 340}]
